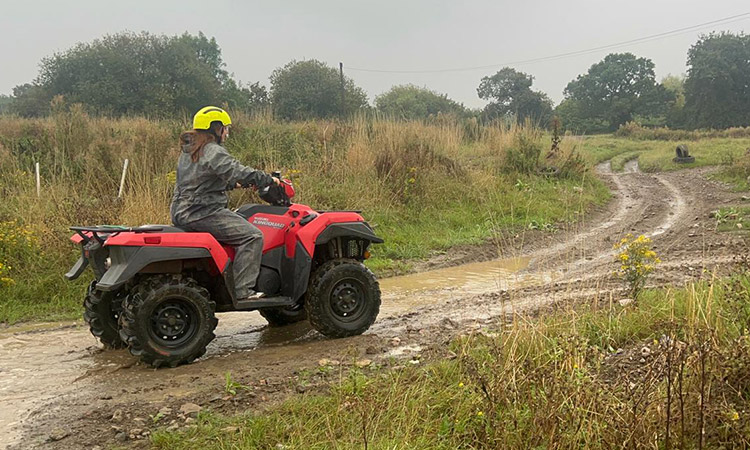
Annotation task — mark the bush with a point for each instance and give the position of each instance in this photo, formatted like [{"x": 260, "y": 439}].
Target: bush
[
  {"x": 634, "y": 130},
  {"x": 523, "y": 155},
  {"x": 17, "y": 248}
]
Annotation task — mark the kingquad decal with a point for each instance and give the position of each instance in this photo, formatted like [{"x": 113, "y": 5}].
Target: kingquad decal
[{"x": 264, "y": 222}]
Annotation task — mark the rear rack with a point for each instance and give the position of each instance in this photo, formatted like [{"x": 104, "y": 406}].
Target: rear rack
[{"x": 87, "y": 233}]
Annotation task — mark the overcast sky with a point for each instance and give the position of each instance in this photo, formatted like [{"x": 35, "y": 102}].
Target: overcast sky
[{"x": 257, "y": 37}]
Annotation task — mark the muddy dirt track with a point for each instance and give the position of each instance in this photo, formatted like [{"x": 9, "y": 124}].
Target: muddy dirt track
[{"x": 59, "y": 389}]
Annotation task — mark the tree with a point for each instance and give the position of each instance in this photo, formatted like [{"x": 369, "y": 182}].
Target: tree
[
  {"x": 6, "y": 102},
  {"x": 675, "y": 85},
  {"x": 131, "y": 73},
  {"x": 717, "y": 88},
  {"x": 572, "y": 117},
  {"x": 617, "y": 89},
  {"x": 412, "y": 102},
  {"x": 30, "y": 100},
  {"x": 509, "y": 92},
  {"x": 311, "y": 89}
]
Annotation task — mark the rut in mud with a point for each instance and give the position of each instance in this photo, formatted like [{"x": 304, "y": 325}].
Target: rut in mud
[{"x": 56, "y": 380}]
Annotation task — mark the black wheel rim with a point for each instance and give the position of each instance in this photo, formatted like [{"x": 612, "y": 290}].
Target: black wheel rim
[
  {"x": 174, "y": 322},
  {"x": 348, "y": 300}
]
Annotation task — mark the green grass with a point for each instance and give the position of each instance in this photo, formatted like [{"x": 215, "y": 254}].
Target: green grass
[
  {"x": 656, "y": 155},
  {"x": 539, "y": 383},
  {"x": 733, "y": 218},
  {"x": 466, "y": 219}
]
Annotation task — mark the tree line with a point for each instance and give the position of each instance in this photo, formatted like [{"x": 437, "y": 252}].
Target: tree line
[{"x": 146, "y": 74}]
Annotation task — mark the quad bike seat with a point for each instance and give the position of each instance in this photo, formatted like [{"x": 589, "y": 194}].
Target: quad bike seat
[{"x": 251, "y": 209}]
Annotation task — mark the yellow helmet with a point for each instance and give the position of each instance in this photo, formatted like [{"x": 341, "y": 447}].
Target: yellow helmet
[{"x": 202, "y": 119}]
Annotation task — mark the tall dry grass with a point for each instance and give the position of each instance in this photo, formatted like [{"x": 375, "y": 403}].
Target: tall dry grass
[{"x": 425, "y": 185}]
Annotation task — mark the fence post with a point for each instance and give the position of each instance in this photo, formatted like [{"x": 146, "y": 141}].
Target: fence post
[
  {"x": 122, "y": 179},
  {"x": 38, "y": 183}
]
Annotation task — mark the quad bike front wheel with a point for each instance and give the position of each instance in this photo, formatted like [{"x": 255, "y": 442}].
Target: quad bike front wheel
[
  {"x": 102, "y": 312},
  {"x": 343, "y": 298},
  {"x": 168, "y": 320},
  {"x": 279, "y": 317}
]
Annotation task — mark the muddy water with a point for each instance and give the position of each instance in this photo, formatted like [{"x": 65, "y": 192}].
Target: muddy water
[
  {"x": 36, "y": 366},
  {"x": 40, "y": 363},
  {"x": 404, "y": 293},
  {"x": 241, "y": 331}
]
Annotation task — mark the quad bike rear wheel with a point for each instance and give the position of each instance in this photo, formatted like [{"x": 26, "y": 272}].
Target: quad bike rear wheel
[
  {"x": 168, "y": 320},
  {"x": 102, "y": 312},
  {"x": 343, "y": 298},
  {"x": 279, "y": 317}
]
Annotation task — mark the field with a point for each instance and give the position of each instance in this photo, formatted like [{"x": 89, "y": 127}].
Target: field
[
  {"x": 468, "y": 182},
  {"x": 547, "y": 350}
]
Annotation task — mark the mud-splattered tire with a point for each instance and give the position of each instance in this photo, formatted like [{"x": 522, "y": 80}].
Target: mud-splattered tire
[
  {"x": 279, "y": 317},
  {"x": 101, "y": 311},
  {"x": 343, "y": 298},
  {"x": 168, "y": 320}
]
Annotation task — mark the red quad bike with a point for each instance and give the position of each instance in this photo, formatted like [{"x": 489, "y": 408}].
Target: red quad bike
[{"x": 158, "y": 287}]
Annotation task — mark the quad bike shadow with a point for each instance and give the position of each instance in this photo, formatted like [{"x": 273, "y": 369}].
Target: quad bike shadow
[{"x": 157, "y": 288}]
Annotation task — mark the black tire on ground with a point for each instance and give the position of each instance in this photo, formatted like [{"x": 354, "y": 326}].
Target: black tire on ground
[
  {"x": 168, "y": 320},
  {"x": 343, "y": 298},
  {"x": 279, "y": 317},
  {"x": 101, "y": 311}
]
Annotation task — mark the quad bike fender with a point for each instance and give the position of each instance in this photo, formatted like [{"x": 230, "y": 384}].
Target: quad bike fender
[
  {"x": 77, "y": 269},
  {"x": 174, "y": 240},
  {"x": 330, "y": 225},
  {"x": 127, "y": 261},
  {"x": 359, "y": 230}
]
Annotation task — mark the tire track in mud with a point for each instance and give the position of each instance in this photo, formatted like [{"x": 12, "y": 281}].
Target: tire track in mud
[
  {"x": 631, "y": 198},
  {"x": 71, "y": 372}
]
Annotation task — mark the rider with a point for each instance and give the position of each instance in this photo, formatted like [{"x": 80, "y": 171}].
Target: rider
[{"x": 205, "y": 171}]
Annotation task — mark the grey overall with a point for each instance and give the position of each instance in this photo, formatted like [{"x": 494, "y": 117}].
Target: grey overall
[{"x": 200, "y": 204}]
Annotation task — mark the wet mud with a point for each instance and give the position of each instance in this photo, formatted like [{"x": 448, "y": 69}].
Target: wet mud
[{"x": 60, "y": 389}]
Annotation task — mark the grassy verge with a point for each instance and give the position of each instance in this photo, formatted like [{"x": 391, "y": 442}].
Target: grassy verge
[
  {"x": 651, "y": 374},
  {"x": 732, "y": 218},
  {"x": 655, "y": 151},
  {"x": 425, "y": 185},
  {"x": 656, "y": 155}
]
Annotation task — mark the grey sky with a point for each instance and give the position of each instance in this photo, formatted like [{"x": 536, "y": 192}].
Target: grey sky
[{"x": 257, "y": 37}]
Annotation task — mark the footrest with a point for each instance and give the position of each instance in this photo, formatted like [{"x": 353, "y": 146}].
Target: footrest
[{"x": 269, "y": 302}]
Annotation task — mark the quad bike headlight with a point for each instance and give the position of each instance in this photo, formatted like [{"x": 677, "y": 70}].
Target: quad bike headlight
[{"x": 107, "y": 263}]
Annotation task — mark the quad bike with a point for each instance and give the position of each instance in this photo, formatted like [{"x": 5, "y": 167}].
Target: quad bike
[{"x": 157, "y": 287}]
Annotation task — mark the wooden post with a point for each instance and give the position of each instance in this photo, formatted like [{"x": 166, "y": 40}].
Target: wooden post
[
  {"x": 38, "y": 183},
  {"x": 343, "y": 100},
  {"x": 122, "y": 179}
]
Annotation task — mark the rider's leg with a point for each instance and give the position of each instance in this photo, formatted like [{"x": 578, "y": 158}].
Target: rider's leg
[{"x": 232, "y": 229}]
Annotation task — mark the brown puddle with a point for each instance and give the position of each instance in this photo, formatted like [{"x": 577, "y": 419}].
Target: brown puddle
[
  {"x": 37, "y": 366},
  {"x": 406, "y": 292}
]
